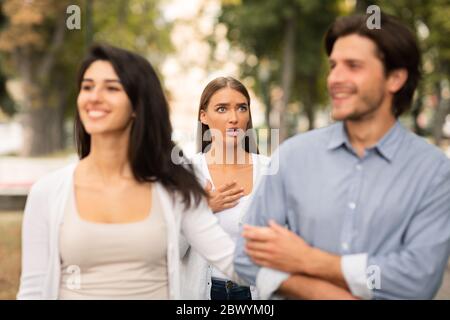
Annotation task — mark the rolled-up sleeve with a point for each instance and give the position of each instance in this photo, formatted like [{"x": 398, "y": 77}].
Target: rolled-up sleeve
[
  {"x": 268, "y": 281},
  {"x": 354, "y": 269},
  {"x": 416, "y": 271}
]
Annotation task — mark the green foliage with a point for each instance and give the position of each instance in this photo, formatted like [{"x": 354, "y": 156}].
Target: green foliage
[
  {"x": 29, "y": 42},
  {"x": 258, "y": 27},
  {"x": 132, "y": 24}
]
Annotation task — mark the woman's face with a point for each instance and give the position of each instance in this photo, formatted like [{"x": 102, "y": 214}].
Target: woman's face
[
  {"x": 102, "y": 102},
  {"x": 227, "y": 113}
]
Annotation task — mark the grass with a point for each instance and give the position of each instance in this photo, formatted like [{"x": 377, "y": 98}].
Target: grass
[{"x": 10, "y": 225}]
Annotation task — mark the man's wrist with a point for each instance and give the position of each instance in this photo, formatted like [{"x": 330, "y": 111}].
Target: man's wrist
[
  {"x": 324, "y": 265},
  {"x": 312, "y": 262}
]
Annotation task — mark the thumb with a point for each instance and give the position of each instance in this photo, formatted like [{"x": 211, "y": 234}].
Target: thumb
[{"x": 208, "y": 187}]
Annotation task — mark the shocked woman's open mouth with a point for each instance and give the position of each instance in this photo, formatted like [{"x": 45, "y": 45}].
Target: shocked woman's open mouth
[{"x": 233, "y": 132}]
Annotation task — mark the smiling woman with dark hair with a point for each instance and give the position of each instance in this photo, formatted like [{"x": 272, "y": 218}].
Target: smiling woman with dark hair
[{"x": 108, "y": 226}]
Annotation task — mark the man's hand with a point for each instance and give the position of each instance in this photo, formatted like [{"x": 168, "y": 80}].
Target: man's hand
[
  {"x": 224, "y": 197},
  {"x": 277, "y": 247}
]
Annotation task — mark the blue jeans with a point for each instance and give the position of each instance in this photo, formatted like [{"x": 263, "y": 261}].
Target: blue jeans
[{"x": 228, "y": 290}]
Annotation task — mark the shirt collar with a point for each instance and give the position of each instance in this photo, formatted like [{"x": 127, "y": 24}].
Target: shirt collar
[
  {"x": 338, "y": 136},
  {"x": 391, "y": 141},
  {"x": 387, "y": 146}
]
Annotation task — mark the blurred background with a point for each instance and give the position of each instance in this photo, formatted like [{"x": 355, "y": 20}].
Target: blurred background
[{"x": 274, "y": 47}]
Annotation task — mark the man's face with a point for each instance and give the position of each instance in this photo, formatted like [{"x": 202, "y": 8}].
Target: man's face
[{"x": 356, "y": 82}]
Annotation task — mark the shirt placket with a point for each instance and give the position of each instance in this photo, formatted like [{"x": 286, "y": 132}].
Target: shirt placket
[{"x": 352, "y": 207}]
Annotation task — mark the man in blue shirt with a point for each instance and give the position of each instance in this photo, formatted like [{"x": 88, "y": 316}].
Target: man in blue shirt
[{"x": 366, "y": 202}]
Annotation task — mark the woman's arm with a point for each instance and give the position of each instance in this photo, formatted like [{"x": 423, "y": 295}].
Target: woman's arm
[
  {"x": 202, "y": 231},
  {"x": 35, "y": 245}
]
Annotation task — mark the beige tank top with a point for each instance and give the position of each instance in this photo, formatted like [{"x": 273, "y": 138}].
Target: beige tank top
[{"x": 113, "y": 261}]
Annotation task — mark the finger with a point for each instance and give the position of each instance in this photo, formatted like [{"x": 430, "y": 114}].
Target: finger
[
  {"x": 232, "y": 192},
  {"x": 229, "y": 205},
  {"x": 233, "y": 198},
  {"x": 255, "y": 254},
  {"x": 258, "y": 233},
  {"x": 226, "y": 186},
  {"x": 208, "y": 187},
  {"x": 257, "y": 246},
  {"x": 276, "y": 227}
]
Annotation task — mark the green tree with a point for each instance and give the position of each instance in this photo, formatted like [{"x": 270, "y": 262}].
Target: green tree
[
  {"x": 31, "y": 43},
  {"x": 40, "y": 56},
  {"x": 6, "y": 104},
  {"x": 286, "y": 37},
  {"x": 430, "y": 21}
]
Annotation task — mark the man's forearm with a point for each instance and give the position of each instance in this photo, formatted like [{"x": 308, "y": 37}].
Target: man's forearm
[
  {"x": 326, "y": 266},
  {"x": 309, "y": 288}
]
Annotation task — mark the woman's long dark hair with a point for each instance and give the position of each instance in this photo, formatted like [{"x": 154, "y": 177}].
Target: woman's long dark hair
[
  {"x": 211, "y": 88},
  {"x": 151, "y": 145}
]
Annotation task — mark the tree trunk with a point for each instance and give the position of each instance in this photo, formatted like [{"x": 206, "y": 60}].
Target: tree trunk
[
  {"x": 42, "y": 132},
  {"x": 310, "y": 115},
  {"x": 311, "y": 100},
  {"x": 287, "y": 73},
  {"x": 89, "y": 29},
  {"x": 416, "y": 110},
  {"x": 265, "y": 93},
  {"x": 41, "y": 113}
]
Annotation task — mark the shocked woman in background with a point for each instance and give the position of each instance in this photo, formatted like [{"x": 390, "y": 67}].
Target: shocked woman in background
[{"x": 228, "y": 158}]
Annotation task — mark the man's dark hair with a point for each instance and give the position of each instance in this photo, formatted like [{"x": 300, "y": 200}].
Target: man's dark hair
[{"x": 397, "y": 48}]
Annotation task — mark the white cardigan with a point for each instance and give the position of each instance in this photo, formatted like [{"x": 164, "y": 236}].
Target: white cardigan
[{"x": 41, "y": 266}]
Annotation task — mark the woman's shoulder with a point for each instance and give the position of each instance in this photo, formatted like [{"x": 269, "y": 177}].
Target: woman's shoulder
[{"x": 54, "y": 180}]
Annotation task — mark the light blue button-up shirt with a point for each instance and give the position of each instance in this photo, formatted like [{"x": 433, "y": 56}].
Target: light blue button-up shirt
[{"x": 390, "y": 207}]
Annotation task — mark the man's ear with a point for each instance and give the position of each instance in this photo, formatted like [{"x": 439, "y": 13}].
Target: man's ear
[
  {"x": 203, "y": 117},
  {"x": 396, "y": 80}
]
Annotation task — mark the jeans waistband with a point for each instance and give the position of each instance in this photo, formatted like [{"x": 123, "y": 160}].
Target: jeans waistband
[{"x": 223, "y": 282}]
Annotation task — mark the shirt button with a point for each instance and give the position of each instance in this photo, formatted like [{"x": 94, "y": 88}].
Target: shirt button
[
  {"x": 352, "y": 205},
  {"x": 345, "y": 245},
  {"x": 358, "y": 167}
]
